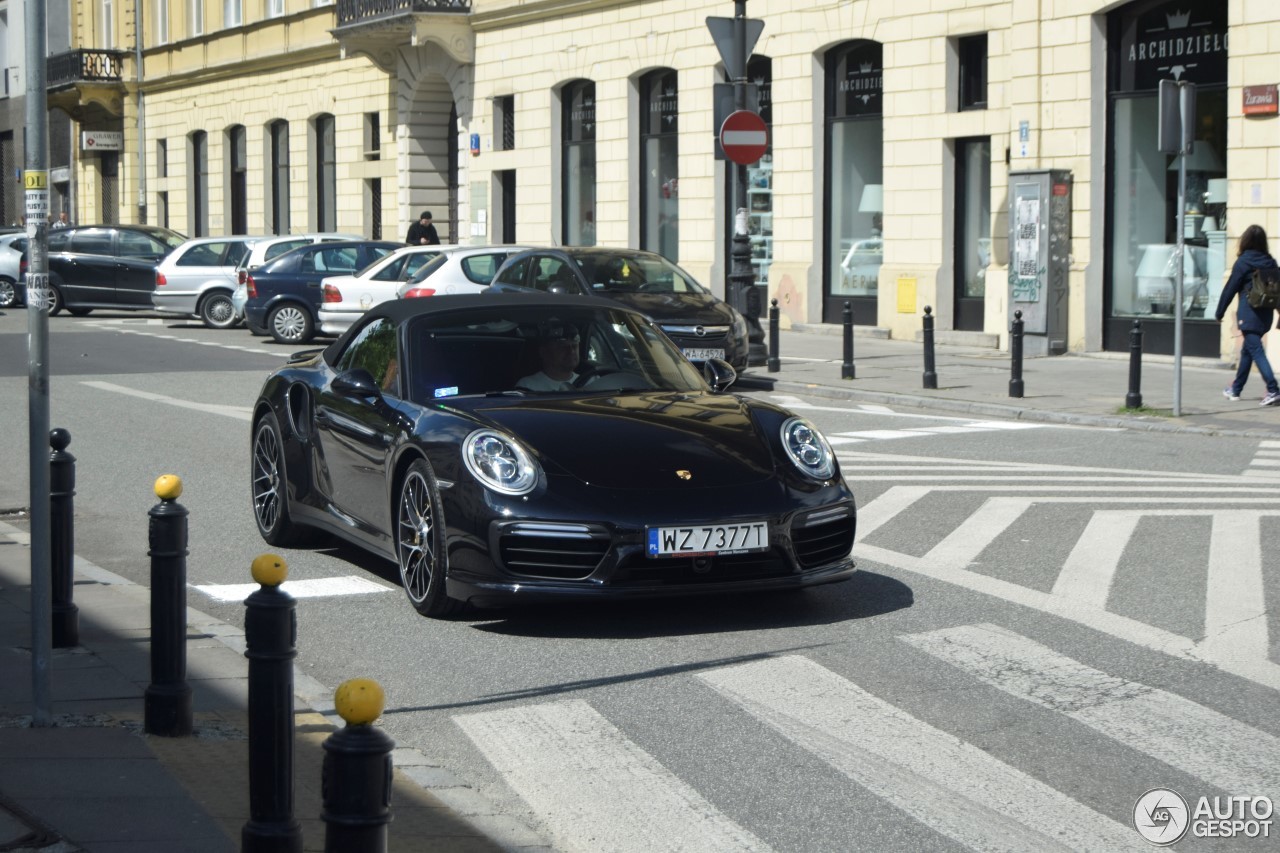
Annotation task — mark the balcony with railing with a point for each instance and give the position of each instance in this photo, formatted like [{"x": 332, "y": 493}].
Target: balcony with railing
[
  {"x": 87, "y": 83},
  {"x": 378, "y": 28}
]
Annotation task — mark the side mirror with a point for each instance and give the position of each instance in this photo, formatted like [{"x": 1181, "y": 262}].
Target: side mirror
[
  {"x": 358, "y": 384},
  {"x": 719, "y": 374}
]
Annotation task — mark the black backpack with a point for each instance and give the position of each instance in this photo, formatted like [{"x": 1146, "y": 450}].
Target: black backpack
[{"x": 1265, "y": 290}]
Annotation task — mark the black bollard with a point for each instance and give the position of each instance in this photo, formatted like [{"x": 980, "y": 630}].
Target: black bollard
[
  {"x": 62, "y": 527},
  {"x": 356, "y": 779},
  {"x": 167, "y": 701},
  {"x": 1015, "y": 355},
  {"x": 1133, "y": 400},
  {"x": 775, "y": 363},
  {"x": 846, "y": 369},
  {"x": 270, "y": 632},
  {"x": 930, "y": 372}
]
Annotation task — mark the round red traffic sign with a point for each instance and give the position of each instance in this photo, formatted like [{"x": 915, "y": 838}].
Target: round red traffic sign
[{"x": 744, "y": 137}]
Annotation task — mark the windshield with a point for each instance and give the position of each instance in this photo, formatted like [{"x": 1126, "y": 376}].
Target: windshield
[
  {"x": 634, "y": 272},
  {"x": 487, "y": 351}
]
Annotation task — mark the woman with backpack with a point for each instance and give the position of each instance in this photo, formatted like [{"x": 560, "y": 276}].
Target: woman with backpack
[{"x": 1253, "y": 321}]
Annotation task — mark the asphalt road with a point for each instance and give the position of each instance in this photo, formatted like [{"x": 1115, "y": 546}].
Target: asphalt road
[{"x": 1048, "y": 622}]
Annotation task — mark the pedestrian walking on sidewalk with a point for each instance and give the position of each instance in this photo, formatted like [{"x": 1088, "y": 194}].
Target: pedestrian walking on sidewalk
[{"x": 1252, "y": 322}]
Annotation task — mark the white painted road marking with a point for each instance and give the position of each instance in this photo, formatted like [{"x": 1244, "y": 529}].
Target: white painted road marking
[
  {"x": 596, "y": 790},
  {"x": 1222, "y": 751},
  {"x": 949, "y": 785},
  {"x": 243, "y": 413},
  {"x": 312, "y": 588}
]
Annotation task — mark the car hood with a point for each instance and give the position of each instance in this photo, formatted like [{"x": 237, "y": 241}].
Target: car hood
[
  {"x": 641, "y": 440},
  {"x": 697, "y": 308}
]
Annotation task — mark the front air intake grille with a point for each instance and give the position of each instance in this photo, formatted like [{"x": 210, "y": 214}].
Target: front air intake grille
[
  {"x": 823, "y": 537},
  {"x": 561, "y": 552},
  {"x": 639, "y": 570}
]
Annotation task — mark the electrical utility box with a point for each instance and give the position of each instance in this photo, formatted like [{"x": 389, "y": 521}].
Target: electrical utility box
[{"x": 1040, "y": 257}]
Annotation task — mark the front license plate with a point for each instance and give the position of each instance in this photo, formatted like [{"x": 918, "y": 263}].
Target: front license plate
[
  {"x": 739, "y": 538},
  {"x": 703, "y": 354}
]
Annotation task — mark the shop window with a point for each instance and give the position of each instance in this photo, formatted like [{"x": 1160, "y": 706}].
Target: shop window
[
  {"x": 504, "y": 119},
  {"x": 578, "y": 169},
  {"x": 278, "y": 175},
  {"x": 972, "y": 230},
  {"x": 971, "y": 54},
  {"x": 854, "y": 201},
  {"x": 659, "y": 164}
]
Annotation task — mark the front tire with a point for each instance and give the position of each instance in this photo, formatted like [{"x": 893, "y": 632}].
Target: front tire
[
  {"x": 420, "y": 543},
  {"x": 55, "y": 300},
  {"x": 269, "y": 487},
  {"x": 290, "y": 323},
  {"x": 79, "y": 312},
  {"x": 217, "y": 312}
]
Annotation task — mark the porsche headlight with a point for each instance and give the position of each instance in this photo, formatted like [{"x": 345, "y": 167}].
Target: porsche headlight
[
  {"x": 499, "y": 462},
  {"x": 808, "y": 449}
]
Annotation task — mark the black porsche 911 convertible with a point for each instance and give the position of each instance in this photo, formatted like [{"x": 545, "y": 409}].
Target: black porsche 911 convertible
[{"x": 505, "y": 447}]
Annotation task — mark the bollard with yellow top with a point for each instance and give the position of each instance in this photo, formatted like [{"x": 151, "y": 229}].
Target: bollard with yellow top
[
  {"x": 356, "y": 778},
  {"x": 167, "y": 700},
  {"x": 270, "y": 634}
]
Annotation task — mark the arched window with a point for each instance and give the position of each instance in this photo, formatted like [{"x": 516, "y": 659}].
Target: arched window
[
  {"x": 198, "y": 189},
  {"x": 278, "y": 174},
  {"x": 324, "y": 173},
  {"x": 237, "y": 180},
  {"x": 578, "y": 173},
  {"x": 660, "y": 163},
  {"x": 853, "y": 180}
]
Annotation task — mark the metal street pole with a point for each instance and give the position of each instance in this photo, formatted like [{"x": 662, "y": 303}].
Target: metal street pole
[
  {"x": 36, "y": 182},
  {"x": 738, "y": 73},
  {"x": 1178, "y": 285}
]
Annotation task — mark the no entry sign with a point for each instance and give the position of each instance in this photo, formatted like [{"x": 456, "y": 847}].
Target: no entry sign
[{"x": 744, "y": 137}]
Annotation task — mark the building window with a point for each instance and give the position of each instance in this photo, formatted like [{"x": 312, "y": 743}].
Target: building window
[
  {"x": 971, "y": 54},
  {"x": 162, "y": 209},
  {"x": 162, "y": 158},
  {"x": 275, "y": 8},
  {"x": 324, "y": 176},
  {"x": 195, "y": 9},
  {"x": 278, "y": 175},
  {"x": 232, "y": 13},
  {"x": 373, "y": 136},
  {"x": 108, "y": 25},
  {"x": 973, "y": 230},
  {"x": 659, "y": 164},
  {"x": 854, "y": 198},
  {"x": 238, "y": 180},
  {"x": 1142, "y": 183},
  {"x": 578, "y": 170},
  {"x": 162, "y": 22},
  {"x": 199, "y": 186},
  {"x": 373, "y": 208},
  {"x": 504, "y": 119}
]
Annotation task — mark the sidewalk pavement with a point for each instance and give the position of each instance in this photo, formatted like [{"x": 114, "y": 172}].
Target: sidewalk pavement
[{"x": 95, "y": 782}]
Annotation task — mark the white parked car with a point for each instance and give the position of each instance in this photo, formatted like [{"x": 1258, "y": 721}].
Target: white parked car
[
  {"x": 13, "y": 269},
  {"x": 345, "y": 297},
  {"x": 467, "y": 269},
  {"x": 266, "y": 249},
  {"x": 198, "y": 278}
]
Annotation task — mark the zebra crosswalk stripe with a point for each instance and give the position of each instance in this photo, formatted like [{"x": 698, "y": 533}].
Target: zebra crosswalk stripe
[
  {"x": 1183, "y": 734},
  {"x": 595, "y": 789},
  {"x": 1092, "y": 564},
  {"x": 945, "y": 783}
]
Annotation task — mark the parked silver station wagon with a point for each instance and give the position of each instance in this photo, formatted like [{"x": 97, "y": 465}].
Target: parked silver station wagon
[{"x": 198, "y": 278}]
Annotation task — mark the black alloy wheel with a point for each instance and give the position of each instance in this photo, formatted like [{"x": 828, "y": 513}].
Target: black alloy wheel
[
  {"x": 268, "y": 486},
  {"x": 290, "y": 323},
  {"x": 420, "y": 542},
  {"x": 216, "y": 310}
]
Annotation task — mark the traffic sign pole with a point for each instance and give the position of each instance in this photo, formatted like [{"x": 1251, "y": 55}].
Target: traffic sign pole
[{"x": 36, "y": 184}]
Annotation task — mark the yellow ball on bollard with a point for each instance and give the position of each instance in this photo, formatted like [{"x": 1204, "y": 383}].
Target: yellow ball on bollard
[
  {"x": 269, "y": 570},
  {"x": 359, "y": 701},
  {"x": 168, "y": 487}
]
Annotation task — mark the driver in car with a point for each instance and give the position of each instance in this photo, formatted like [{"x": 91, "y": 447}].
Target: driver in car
[{"x": 558, "y": 352}]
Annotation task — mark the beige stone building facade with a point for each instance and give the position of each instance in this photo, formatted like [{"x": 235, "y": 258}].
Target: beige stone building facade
[{"x": 909, "y": 139}]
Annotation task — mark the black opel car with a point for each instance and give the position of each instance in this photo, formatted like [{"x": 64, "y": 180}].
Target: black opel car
[{"x": 696, "y": 320}]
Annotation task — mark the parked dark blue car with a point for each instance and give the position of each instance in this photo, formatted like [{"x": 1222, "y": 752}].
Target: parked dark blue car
[{"x": 285, "y": 294}]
